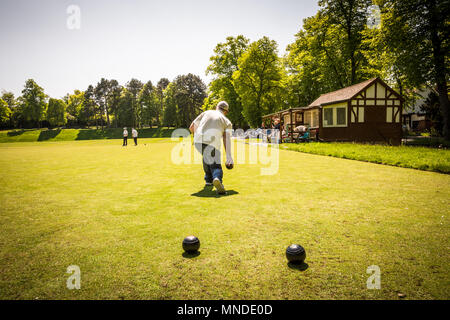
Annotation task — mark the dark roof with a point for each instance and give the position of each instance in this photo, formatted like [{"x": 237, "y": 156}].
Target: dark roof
[{"x": 342, "y": 94}]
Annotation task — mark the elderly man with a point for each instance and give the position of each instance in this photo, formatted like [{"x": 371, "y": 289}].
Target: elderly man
[{"x": 209, "y": 128}]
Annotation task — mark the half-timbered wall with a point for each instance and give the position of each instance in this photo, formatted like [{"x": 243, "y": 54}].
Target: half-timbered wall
[{"x": 374, "y": 115}]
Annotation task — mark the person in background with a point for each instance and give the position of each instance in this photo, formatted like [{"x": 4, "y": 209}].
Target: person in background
[
  {"x": 125, "y": 137},
  {"x": 134, "y": 133}
]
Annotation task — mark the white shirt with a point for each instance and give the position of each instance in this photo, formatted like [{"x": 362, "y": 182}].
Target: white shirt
[
  {"x": 125, "y": 133},
  {"x": 211, "y": 125},
  {"x": 134, "y": 133}
]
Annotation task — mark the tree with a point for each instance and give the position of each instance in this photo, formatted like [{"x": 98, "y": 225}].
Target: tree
[
  {"x": 170, "y": 106},
  {"x": 56, "y": 112},
  {"x": 33, "y": 102},
  {"x": 115, "y": 90},
  {"x": 160, "y": 87},
  {"x": 5, "y": 113},
  {"x": 101, "y": 98},
  {"x": 190, "y": 92},
  {"x": 147, "y": 99},
  {"x": 11, "y": 102},
  {"x": 134, "y": 86},
  {"x": 259, "y": 80},
  {"x": 183, "y": 100},
  {"x": 74, "y": 106},
  {"x": 224, "y": 64},
  {"x": 88, "y": 109},
  {"x": 419, "y": 31},
  {"x": 431, "y": 108},
  {"x": 125, "y": 114},
  {"x": 346, "y": 20}
]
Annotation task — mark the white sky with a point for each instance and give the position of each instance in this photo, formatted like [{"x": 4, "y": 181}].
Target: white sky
[{"x": 124, "y": 39}]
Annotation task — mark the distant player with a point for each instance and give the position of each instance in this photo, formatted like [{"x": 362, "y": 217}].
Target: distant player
[
  {"x": 209, "y": 128},
  {"x": 125, "y": 137},
  {"x": 134, "y": 133}
]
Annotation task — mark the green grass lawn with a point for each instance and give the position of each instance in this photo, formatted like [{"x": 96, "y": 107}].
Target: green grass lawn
[
  {"x": 422, "y": 158},
  {"x": 121, "y": 214},
  {"x": 32, "y": 135}
]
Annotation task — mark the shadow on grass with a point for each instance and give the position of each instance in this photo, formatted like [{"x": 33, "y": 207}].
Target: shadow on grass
[
  {"x": 298, "y": 266},
  {"x": 15, "y": 133},
  {"x": 208, "y": 192},
  {"x": 191, "y": 255},
  {"x": 48, "y": 134}
]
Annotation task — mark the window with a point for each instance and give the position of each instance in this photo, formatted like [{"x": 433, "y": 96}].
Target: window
[
  {"x": 312, "y": 118},
  {"x": 341, "y": 116},
  {"x": 335, "y": 116},
  {"x": 328, "y": 117}
]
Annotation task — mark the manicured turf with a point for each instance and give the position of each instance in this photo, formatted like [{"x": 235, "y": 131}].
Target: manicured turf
[
  {"x": 437, "y": 160},
  {"x": 31, "y": 135},
  {"x": 121, "y": 214}
]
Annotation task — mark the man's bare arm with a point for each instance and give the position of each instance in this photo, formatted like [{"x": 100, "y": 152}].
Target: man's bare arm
[{"x": 226, "y": 144}]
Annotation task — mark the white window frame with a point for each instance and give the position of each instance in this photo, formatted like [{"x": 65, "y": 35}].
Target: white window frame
[{"x": 335, "y": 107}]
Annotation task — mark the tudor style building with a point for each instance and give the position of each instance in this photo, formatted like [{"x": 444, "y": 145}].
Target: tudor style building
[{"x": 366, "y": 112}]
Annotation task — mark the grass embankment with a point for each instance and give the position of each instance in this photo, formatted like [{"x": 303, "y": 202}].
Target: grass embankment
[
  {"x": 33, "y": 135},
  {"x": 421, "y": 158},
  {"x": 120, "y": 214}
]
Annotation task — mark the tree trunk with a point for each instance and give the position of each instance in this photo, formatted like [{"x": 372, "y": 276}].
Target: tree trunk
[{"x": 440, "y": 71}]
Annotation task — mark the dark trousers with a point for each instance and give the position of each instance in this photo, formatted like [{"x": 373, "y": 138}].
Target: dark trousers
[
  {"x": 135, "y": 141},
  {"x": 211, "y": 162},
  {"x": 125, "y": 141}
]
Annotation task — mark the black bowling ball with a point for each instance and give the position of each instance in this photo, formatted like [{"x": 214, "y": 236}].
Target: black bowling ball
[
  {"x": 191, "y": 244},
  {"x": 295, "y": 254}
]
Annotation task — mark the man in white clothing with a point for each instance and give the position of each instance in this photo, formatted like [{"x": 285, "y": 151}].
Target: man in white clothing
[
  {"x": 209, "y": 128},
  {"x": 134, "y": 133},
  {"x": 125, "y": 137}
]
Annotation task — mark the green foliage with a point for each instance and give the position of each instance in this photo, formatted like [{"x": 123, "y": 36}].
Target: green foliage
[
  {"x": 134, "y": 87},
  {"x": 259, "y": 81},
  {"x": 224, "y": 63},
  {"x": 5, "y": 113},
  {"x": 33, "y": 102},
  {"x": 75, "y": 106},
  {"x": 430, "y": 107},
  {"x": 418, "y": 33},
  {"x": 149, "y": 103},
  {"x": 183, "y": 100},
  {"x": 56, "y": 112},
  {"x": 170, "y": 103}
]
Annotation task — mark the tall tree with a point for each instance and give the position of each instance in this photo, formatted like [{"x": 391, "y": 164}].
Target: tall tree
[
  {"x": 33, "y": 102},
  {"x": 56, "y": 112},
  {"x": 11, "y": 102},
  {"x": 134, "y": 86},
  {"x": 170, "y": 106},
  {"x": 160, "y": 87},
  {"x": 349, "y": 18},
  {"x": 115, "y": 90},
  {"x": 147, "y": 99},
  {"x": 101, "y": 97},
  {"x": 190, "y": 93},
  {"x": 420, "y": 29},
  {"x": 88, "y": 109},
  {"x": 224, "y": 63},
  {"x": 259, "y": 80},
  {"x": 74, "y": 105},
  {"x": 5, "y": 113}
]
